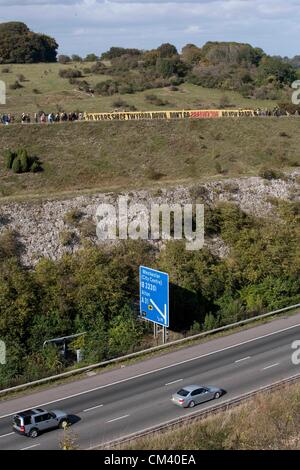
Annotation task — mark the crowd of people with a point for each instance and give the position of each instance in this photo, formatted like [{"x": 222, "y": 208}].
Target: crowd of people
[
  {"x": 44, "y": 118},
  {"x": 274, "y": 112},
  {"x": 6, "y": 119},
  {"x": 41, "y": 118}
]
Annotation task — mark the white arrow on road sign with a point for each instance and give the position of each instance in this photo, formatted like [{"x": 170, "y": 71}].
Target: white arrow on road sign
[{"x": 164, "y": 315}]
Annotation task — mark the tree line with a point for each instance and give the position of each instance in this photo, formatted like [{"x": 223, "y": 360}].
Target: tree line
[{"x": 95, "y": 290}]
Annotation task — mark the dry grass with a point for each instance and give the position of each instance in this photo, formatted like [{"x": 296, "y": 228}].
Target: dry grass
[
  {"x": 56, "y": 93},
  {"x": 89, "y": 157},
  {"x": 270, "y": 421}
]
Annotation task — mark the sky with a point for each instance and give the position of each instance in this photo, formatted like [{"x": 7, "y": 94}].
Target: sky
[{"x": 93, "y": 26}]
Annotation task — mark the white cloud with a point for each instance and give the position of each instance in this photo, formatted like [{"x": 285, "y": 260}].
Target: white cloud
[{"x": 86, "y": 25}]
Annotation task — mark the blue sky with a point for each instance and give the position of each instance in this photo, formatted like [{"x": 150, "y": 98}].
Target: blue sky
[{"x": 83, "y": 26}]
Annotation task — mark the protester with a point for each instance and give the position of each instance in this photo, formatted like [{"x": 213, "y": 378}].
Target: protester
[{"x": 62, "y": 116}]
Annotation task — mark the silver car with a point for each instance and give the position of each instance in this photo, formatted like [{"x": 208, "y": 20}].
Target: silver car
[
  {"x": 192, "y": 395},
  {"x": 32, "y": 422}
]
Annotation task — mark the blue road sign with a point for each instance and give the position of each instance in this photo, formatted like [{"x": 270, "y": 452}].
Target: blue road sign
[{"x": 154, "y": 296}]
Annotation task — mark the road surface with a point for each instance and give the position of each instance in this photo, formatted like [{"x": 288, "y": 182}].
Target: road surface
[{"x": 133, "y": 398}]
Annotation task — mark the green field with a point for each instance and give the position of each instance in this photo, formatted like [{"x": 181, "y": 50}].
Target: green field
[
  {"x": 55, "y": 93},
  {"x": 103, "y": 156}
]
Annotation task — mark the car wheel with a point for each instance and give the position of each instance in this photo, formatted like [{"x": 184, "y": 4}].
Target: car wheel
[
  {"x": 33, "y": 433},
  {"x": 191, "y": 404},
  {"x": 217, "y": 395},
  {"x": 63, "y": 423}
]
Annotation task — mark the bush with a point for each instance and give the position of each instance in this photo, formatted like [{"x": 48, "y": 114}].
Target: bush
[
  {"x": 76, "y": 58},
  {"x": 24, "y": 160},
  {"x": 70, "y": 73},
  {"x": 98, "y": 68},
  {"x": 87, "y": 70},
  {"x": 67, "y": 238},
  {"x": 88, "y": 228},
  {"x": 9, "y": 244},
  {"x": 155, "y": 100},
  {"x": 16, "y": 166},
  {"x": 6, "y": 70},
  {"x": 107, "y": 88},
  {"x": 20, "y": 162},
  {"x": 63, "y": 59},
  {"x": 73, "y": 216},
  {"x": 8, "y": 159},
  {"x": 91, "y": 58},
  {"x": 35, "y": 167},
  {"x": 270, "y": 174}
]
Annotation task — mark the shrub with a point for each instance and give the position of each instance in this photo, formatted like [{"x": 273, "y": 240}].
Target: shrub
[
  {"x": 67, "y": 238},
  {"x": 76, "y": 58},
  {"x": 35, "y": 167},
  {"x": 87, "y": 70},
  {"x": 73, "y": 216},
  {"x": 167, "y": 50},
  {"x": 8, "y": 159},
  {"x": 9, "y": 245},
  {"x": 98, "y": 68},
  {"x": 70, "y": 73},
  {"x": 24, "y": 160},
  {"x": 153, "y": 99},
  {"x": 88, "y": 228},
  {"x": 6, "y": 70},
  {"x": 64, "y": 59},
  {"x": 91, "y": 58},
  {"x": 107, "y": 88},
  {"x": 36, "y": 91},
  {"x": 16, "y": 166},
  {"x": 20, "y": 162},
  {"x": 270, "y": 174}
]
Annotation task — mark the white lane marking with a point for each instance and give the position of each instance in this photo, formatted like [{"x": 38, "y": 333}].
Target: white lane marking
[
  {"x": 207, "y": 408},
  {"x": 9, "y": 434},
  {"x": 93, "y": 408},
  {"x": 174, "y": 382},
  {"x": 30, "y": 447},
  {"x": 244, "y": 359},
  {"x": 154, "y": 370},
  {"x": 273, "y": 365},
  {"x": 117, "y": 419}
]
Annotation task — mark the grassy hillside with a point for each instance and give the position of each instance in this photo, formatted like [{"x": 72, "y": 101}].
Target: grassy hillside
[
  {"x": 44, "y": 89},
  {"x": 112, "y": 156},
  {"x": 268, "y": 422}
]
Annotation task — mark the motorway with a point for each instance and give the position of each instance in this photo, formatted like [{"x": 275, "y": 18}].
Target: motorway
[{"x": 128, "y": 399}]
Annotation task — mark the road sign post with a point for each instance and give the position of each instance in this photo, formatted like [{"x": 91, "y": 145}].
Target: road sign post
[{"x": 154, "y": 298}]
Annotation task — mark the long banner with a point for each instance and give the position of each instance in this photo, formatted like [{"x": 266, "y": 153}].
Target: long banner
[{"x": 168, "y": 115}]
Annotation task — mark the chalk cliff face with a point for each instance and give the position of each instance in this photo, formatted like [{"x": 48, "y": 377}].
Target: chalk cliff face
[{"x": 53, "y": 227}]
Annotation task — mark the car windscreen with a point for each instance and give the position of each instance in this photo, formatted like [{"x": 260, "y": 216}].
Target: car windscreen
[{"x": 183, "y": 393}]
